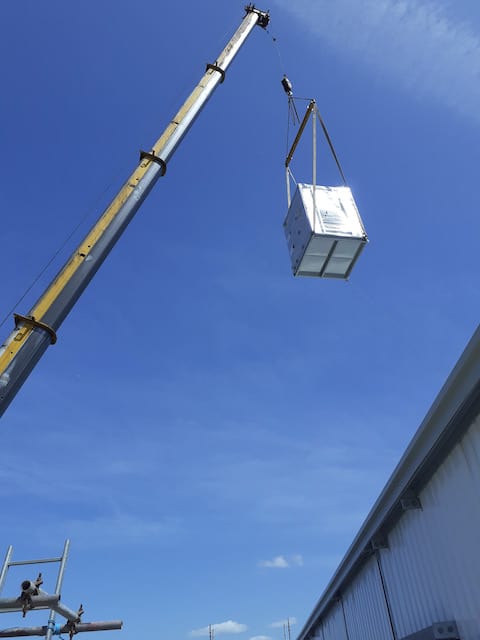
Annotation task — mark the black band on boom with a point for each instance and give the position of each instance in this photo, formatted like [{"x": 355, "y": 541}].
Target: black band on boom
[
  {"x": 215, "y": 67},
  {"x": 30, "y": 321},
  {"x": 151, "y": 156}
]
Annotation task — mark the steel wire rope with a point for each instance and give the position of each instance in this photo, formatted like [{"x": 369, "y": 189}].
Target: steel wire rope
[
  {"x": 281, "y": 66},
  {"x": 291, "y": 100},
  {"x": 330, "y": 144},
  {"x": 88, "y": 212},
  {"x": 287, "y": 141},
  {"x": 277, "y": 49},
  {"x": 325, "y": 133},
  {"x": 291, "y": 115},
  {"x": 289, "y": 174}
]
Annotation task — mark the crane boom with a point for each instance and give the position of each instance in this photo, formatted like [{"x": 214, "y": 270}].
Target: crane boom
[{"x": 35, "y": 331}]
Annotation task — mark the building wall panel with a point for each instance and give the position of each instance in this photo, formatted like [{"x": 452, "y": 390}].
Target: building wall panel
[
  {"x": 333, "y": 625},
  {"x": 364, "y": 605},
  {"x": 432, "y": 569}
]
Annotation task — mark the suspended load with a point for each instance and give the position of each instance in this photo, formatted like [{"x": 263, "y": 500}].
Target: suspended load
[
  {"x": 323, "y": 228},
  {"x": 324, "y": 232}
]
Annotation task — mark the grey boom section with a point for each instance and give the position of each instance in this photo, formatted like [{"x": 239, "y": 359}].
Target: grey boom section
[{"x": 35, "y": 344}]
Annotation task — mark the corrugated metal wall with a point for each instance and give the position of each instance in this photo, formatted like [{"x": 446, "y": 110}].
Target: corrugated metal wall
[
  {"x": 365, "y": 607},
  {"x": 431, "y": 569},
  {"x": 333, "y": 627}
]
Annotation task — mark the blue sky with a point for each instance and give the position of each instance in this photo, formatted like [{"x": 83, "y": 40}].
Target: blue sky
[{"x": 209, "y": 431}]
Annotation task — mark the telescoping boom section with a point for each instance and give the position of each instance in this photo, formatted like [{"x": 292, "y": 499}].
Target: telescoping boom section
[{"x": 36, "y": 330}]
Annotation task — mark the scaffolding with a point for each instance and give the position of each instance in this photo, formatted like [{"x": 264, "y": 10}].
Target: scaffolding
[{"x": 32, "y": 596}]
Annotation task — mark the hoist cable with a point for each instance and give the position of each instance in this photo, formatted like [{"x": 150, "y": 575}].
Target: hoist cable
[
  {"x": 287, "y": 142},
  {"x": 277, "y": 49},
  {"x": 292, "y": 115},
  {"x": 293, "y": 109},
  {"x": 315, "y": 111},
  {"x": 332, "y": 148}
]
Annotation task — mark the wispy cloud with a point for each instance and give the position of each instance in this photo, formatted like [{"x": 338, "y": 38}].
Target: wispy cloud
[
  {"x": 229, "y": 626},
  {"x": 101, "y": 498},
  {"x": 282, "y": 562},
  {"x": 415, "y": 45},
  {"x": 106, "y": 531},
  {"x": 266, "y": 483},
  {"x": 279, "y": 624},
  {"x": 119, "y": 529},
  {"x": 260, "y": 638}
]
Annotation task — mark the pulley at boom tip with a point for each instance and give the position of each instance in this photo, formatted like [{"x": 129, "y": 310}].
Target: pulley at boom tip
[{"x": 263, "y": 16}]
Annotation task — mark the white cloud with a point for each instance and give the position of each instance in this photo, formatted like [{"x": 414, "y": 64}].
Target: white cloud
[
  {"x": 229, "y": 626},
  {"x": 414, "y": 45},
  {"x": 260, "y": 638},
  {"x": 279, "y": 624},
  {"x": 281, "y": 562}
]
